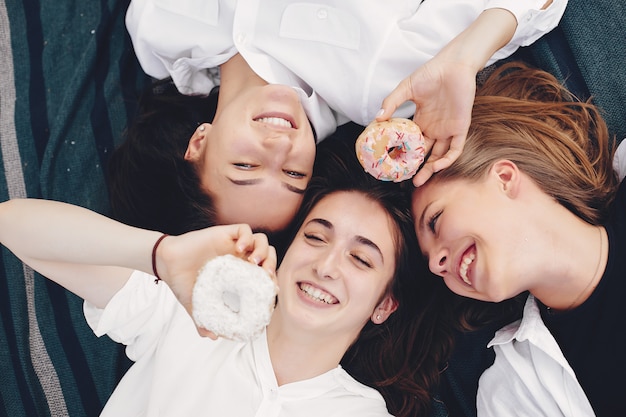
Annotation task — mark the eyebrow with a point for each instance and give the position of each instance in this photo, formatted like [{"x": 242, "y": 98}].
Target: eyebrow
[
  {"x": 360, "y": 239},
  {"x": 258, "y": 180}
]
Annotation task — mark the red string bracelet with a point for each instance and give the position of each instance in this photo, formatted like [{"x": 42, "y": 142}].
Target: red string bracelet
[{"x": 154, "y": 249}]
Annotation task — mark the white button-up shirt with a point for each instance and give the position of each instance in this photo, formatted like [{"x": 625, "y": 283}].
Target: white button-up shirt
[
  {"x": 530, "y": 376},
  {"x": 344, "y": 55}
]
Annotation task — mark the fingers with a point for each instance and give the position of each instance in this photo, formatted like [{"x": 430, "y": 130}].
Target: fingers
[
  {"x": 206, "y": 333},
  {"x": 444, "y": 153},
  {"x": 401, "y": 94}
]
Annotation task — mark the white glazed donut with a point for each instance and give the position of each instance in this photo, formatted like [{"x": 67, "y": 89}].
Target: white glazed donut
[
  {"x": 233, "y": 298},
  {"x": 392, "y": 150}
]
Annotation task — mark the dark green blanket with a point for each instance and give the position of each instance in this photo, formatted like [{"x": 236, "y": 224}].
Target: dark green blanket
[{"x": 68, "y": 83}]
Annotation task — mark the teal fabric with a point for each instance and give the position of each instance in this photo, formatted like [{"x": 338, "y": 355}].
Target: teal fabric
[
  {"x": 586, "y": 52},
  {"x": 68, "y": 83}
]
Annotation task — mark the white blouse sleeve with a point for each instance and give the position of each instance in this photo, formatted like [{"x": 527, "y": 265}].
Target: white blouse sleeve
[
  {"x": 136, "y": 316},
  {"x": 532, "y": 21}
]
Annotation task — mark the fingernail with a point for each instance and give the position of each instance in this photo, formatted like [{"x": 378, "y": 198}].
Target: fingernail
[{"x": 380, "y": 112}]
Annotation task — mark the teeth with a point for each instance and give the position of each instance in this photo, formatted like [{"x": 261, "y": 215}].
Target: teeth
[
  {"x": 316, "y": 294},
  {"x": 276, "y": 121},
  {"x": 464, "y": 265}
]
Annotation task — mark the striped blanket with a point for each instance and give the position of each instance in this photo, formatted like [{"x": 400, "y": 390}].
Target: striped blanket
[{"x": 68, "y": 81}]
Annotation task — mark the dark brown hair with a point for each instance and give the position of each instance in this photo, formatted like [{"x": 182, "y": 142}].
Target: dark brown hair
[
  {"x": 151, "y": 185},
  {"x": 402, "y": 357}
]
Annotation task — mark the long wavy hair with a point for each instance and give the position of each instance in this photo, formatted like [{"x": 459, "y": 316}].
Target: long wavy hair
[{"x": 526, "y": 116}]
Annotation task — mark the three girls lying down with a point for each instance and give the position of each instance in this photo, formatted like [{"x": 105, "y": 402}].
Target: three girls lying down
[{"x": 531, "y": 206}]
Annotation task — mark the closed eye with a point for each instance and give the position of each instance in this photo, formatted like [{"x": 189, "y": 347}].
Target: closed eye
[
  {"x": 362, "y": 261},
  {"x": 432, "y": 221},
  {"x": 313, "y": 237}
]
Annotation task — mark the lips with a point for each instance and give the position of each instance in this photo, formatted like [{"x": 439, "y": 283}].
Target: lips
[
  {"x": 317, "y": 294},
  {"x": 278, "y": 120}
]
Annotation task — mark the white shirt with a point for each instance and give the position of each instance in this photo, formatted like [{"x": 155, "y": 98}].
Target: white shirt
[
  {"x": 530, "y": 376},
  {"x": 344, "y": 55},
  {"x": 178, "y": 373}
]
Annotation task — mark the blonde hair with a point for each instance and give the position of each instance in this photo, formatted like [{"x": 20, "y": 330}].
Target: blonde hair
[{"x": 526, "y": 116}]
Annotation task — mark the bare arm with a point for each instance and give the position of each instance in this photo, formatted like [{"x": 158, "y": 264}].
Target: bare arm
[
  {"x": 93, "y": 256},
  {"x": 85, "y": 252}
]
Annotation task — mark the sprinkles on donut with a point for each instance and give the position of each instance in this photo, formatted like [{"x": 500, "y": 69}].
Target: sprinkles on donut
[{"x": 392, "y": 150}]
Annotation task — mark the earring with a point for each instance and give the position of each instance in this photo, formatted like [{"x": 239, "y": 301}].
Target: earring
[
  {"x": 202, "y": 128},
  {"x": 377, "y": 316}
]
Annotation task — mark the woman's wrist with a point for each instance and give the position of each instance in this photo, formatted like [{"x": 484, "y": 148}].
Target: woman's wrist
[{"x": 473, "y": 47}]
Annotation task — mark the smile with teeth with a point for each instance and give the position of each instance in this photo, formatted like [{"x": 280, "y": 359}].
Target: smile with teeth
[
  {"x": 275, "y": 121},
  {"x": 465, "y": 263},
  {"x": 317, "y": 294}
]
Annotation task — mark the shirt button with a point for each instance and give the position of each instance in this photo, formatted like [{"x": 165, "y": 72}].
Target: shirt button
[
  {"x": 273, "y": 395},
  {"x": 240, "y": 38},
  {"x": 322, "y": 14}
]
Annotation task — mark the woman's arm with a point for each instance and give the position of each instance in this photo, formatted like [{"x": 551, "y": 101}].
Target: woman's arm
[
  {"x": 443, "y": 89},
  {"x": 85, "y": 252},
  {"x": 93, "y": 256}
]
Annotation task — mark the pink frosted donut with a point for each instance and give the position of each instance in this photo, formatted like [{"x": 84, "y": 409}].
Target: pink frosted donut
[{"x": 392, "y": 150}]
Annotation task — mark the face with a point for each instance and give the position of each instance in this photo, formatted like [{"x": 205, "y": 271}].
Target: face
[
  {"x": 258, "y": 156},
  {"x": 337, "y": 269},
  {"x": 469, "y": 233}
]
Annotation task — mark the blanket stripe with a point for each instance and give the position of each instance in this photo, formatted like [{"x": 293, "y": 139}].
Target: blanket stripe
[{"x": 68, "y": 85}]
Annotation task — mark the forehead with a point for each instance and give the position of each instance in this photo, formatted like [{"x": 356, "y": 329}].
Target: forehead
[{"x": 353, "y": 213}]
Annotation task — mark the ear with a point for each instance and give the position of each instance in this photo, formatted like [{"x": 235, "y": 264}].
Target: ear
[
  {"x": 508, "y": 176},
  {"x": 384, "y": 309},
  {"x": 197, "y": 142}
]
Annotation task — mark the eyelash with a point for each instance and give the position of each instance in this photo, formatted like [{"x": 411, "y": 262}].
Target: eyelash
[
  {"x": 292, "y": 174},
  {"x": 362, "y": 261},
  {"x": 359, "y": 259},
  {"x": 432, "y": 222},
  {"x": 295, "y": 174},
  {"x": 244, "y": 165}
]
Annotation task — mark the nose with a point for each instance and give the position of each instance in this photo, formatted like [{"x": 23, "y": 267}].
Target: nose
[
  {"x": 279, "y": 142},
  {"x": 327, "y": 265},
  {"x": 279, "y": 146},
  {"x": 438, "y": 261}
]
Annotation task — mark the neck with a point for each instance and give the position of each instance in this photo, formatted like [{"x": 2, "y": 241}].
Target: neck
[
  {"x": 236, "y": 76},
  {"x": 577, "y": 256},
  {"x": 297, "y": 354}
]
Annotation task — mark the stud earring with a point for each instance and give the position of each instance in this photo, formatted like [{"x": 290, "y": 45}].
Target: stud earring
[
  {"x": 202, "y": 128},
  {"x": 378, "y": 317}
]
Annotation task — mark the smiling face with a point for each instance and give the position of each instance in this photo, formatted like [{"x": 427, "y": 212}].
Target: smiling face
[
  {"x": 472, "y": 235},
  {"x": 256, "y": 158},
  {"x": 335, "y": 272}
]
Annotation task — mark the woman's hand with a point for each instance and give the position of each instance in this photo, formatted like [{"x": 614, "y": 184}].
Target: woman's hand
[
  {"x": 180, "y": 258},
  {"x": 443, "y": 92},
  {"x": 443, "y": 89}
]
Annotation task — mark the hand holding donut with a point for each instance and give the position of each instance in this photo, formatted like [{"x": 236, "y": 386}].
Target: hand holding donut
[
  {"x": 180, "y": 258},
  {"x": 443, "y": 92}
]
